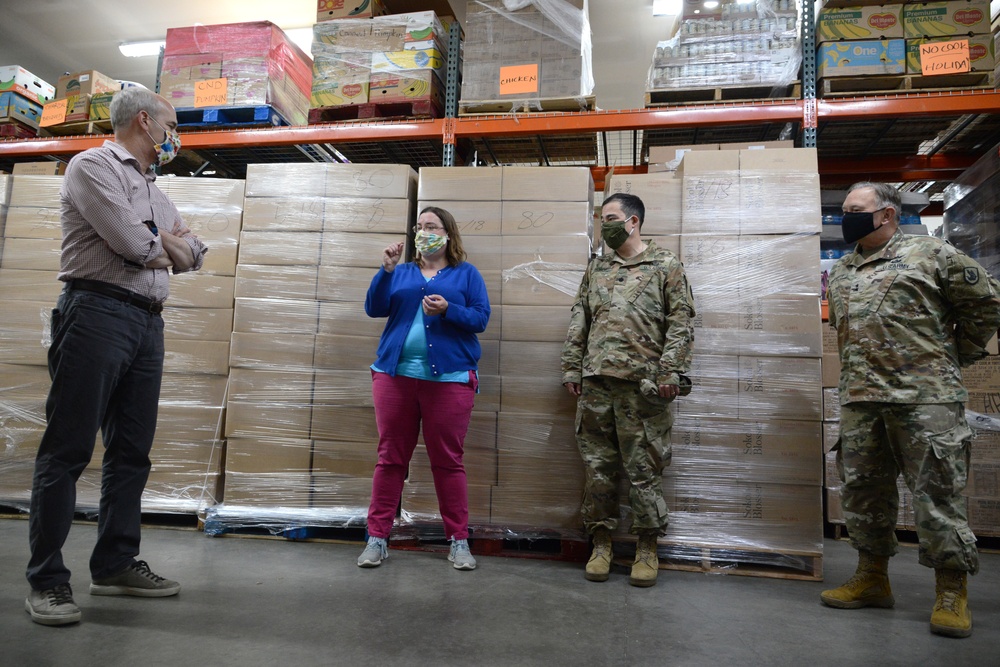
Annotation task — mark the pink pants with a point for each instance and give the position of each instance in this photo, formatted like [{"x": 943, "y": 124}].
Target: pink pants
[{"x": 402, "y": 405}]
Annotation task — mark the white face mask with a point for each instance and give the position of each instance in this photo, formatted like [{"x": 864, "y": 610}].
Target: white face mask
[{"x": 167, "y": 149}]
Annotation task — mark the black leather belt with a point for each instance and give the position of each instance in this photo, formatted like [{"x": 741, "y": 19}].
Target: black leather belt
[{"x": 115, "y": 292}]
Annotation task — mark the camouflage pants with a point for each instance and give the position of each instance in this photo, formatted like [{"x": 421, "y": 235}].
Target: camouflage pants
[
  {"x": 617, "y": 428},
  {"x": 930, "y": 446}
]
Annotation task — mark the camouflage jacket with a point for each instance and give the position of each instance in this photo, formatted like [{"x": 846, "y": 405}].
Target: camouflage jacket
[
  {"x": 908, "y": 318},
  {"x": 631, "y": 320}
]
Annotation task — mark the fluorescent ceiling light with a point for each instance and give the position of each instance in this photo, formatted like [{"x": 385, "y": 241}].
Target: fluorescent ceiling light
[
  {"x": 711, "y": 4},
  {"x": 666, "y": 7},
  {"x": 140, "y": 49}
]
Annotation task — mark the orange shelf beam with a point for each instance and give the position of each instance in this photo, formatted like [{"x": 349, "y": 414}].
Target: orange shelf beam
[
  {"x": 894, "y": 168},
  {"x": 948, "y": 103}
]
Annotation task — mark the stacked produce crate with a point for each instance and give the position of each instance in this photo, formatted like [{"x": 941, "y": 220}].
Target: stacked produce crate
[
  {"x": 881, "y": 44},
  {"x": 742, "y": 45},
  {"x": 396, "y": 59},
  {"x": 260, "y": 65},
  {"x": 22, "y": 95}
]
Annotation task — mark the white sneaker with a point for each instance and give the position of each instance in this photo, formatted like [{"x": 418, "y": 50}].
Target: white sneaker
[
  {"x": 460, "y": 556},
  {"x": 53, "y": 606},
  {"x": 375, "y": 552}
]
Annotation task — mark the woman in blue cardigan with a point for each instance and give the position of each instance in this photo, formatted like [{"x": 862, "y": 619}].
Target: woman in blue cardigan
[{"x": 425, "y": 376}]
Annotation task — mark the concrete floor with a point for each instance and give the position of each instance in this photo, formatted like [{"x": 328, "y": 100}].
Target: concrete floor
[{"x": 251, "y": 602}]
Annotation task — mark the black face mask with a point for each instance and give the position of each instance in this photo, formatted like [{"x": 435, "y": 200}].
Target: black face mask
[{"x": 856, "y": 226}]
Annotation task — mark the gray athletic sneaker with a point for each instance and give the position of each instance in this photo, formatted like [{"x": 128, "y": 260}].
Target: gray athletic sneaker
[
  {"x": 460, "y": 556},
  {"x": 53, "y": 606},
  {"x": 136, "y": 580},
  {"x": 376, "y": 551}
]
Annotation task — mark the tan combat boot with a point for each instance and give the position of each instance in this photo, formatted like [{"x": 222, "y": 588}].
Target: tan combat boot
[
  {"x": 599, "y": 565},
  {"x": 869, "y": 587},
  {"x": 951, "y": 616},
  {"x": 646, "y": 563}
]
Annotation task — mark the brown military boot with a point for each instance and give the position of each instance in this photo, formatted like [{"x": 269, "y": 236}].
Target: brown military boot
[
  {"x": 646, "y": 563},
  {"x": 869, "y": 587},
  {"x": 951, "y": 616},
  {"x": 599, "y": 565}
]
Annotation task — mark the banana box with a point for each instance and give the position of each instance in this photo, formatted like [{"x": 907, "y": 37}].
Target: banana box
[
  {"x": 333, "y": 93},
  {"x": 408, "y": 87},
  {"x": 877, "y": 56},
  {"x": 100, "y": 106},
  {"x": 342, "y": 9},
  {"x": 879, "y": 22},
  {"x": 982, "y": 56},
  {"x": 405, "y": 61},
  {"x": 940, "y": 19}
]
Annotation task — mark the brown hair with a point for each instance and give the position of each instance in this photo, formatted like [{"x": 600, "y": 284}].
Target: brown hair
[{"x": 454, "y": 251}]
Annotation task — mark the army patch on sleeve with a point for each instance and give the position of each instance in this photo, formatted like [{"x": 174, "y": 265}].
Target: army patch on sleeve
[{"x": 971, "y": 275}]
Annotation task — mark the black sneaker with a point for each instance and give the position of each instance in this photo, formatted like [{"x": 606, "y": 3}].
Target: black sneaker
[
  {"x": 53, "y": 606},
  {"x": 137, "y": 580}
]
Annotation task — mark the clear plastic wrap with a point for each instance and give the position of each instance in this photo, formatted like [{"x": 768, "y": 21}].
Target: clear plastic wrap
[
  {"x": 399, "y": 58},
  {"x": 748, "y": 44},
  {"x": 543, "y": 44},
  {"x": 261, "y": 66},
  {"x": 187, "y": 452},
  {"x": 972, "y": 212}
]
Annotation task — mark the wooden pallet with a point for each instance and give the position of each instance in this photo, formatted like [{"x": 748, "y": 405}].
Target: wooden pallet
[
  {"x": 235, "y": 117},
  {"x": 767, "y": 563},
  {"x": 77, "y": 128},
  {"x": 540, "y": 105},
  {"x": 672, "y": 97},
  {"x": 373, "y": 110},
  {"x": 849, "y": 86}
]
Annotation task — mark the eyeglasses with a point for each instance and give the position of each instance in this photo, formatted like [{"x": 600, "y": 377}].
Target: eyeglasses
[{"x": 431, "y": 229}]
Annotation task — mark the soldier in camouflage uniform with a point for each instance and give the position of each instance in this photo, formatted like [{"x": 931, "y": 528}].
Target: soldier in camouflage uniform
[
  {"x": 909, "y": 311},
  {"x": 626, "y": 353}
]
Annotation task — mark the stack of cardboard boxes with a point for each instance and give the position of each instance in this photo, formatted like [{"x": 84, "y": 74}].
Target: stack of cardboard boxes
[
  {"x": 258, "y": 62},
  {"x": 747, "y": 441},
  {"x": 873, "y": 38},
  {"x": 387, "y": 59},
  {"x": 300, "y": 427},
  {"x": 22, "y": 95},
  {"x": 187, "y": 452},
  {"x": 540, "y": 51}
]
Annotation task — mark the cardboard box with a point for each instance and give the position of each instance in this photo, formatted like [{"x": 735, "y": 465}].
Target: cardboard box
[
  {"x": 40, "y": 191},
  {"x": 272, "y": 385},
  {"x": 770, "y": 265},
  {"x": 278, "y": 282},
  {"x": 955, "y": 17},
  {"x": 779, "y": 174},
  {"x": 337, "y": 352},
  {"x": 406, "y": 87},
  {"x": 100, "y": 106},
  {"x": 339, "y": 9},
  {"x": 861, "y": 58},
  {"x": 88, "y": 82},
  {"x": 342, "y": 283},
  {"x": 373, "y": 181},
  {"x": 982, "y": 57},
  {"x": 276, "y": 316},
  {"x": 831, "y": 433},
  {"x": 346, "y": 424},
  {"x": 777, "y": 451},
  {"x": 197, "y": 324},
  {"x": 359, "y": 250},
  {"x": 20, "y": 108},
  {"x": 347, "y": 388},
  {"x": 210, "y": 357},
  {"x": 337, "y": 457},
  {"x": 831, "y": 370},
  {"x": 46, "y": 168},
  {"x": 191, "y": 290},
  {"x": 28, "y": 222},
  {"x": 33, "y": 254},
  {"x": 780, "y": 388},
  {"x": 19, "y": 80},
  {"x": 221, "y": 260},
  {"x": 279, "y": 248},
  {"x": 548, "y": 184},
  {"x": 710, "y": 199},
  {"x": 669, "y": 157},
  {"x": 465, "y": 184},
  {"x": 349, "y": 319},
  {"x": 852, "y": 23},
  {"x": 660, "y": 194},
  {"x": 538, "y": 218},
  {"x": 287, "y": 214},
  {"x": 267, "y": 351},
  {"x": 567, "y": 251},
  {"x": 27, "y": 285},
  {"x": 715, "y": 380},
  {"x": 479, "y": 218},
  {"x": 534, "y": 286},
  {"x": 381, "y": 215}
]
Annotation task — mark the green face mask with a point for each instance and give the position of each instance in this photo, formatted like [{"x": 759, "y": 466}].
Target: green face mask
[{"x": 614, "y": 234}]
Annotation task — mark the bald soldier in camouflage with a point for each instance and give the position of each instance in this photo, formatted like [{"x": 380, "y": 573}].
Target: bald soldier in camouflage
[
  {"x": 625, "y": 357},
  {"x": 909, "y": 311}
]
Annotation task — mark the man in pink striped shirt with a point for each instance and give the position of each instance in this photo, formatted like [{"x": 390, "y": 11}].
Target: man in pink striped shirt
[{"x": 121, "y": 239}]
